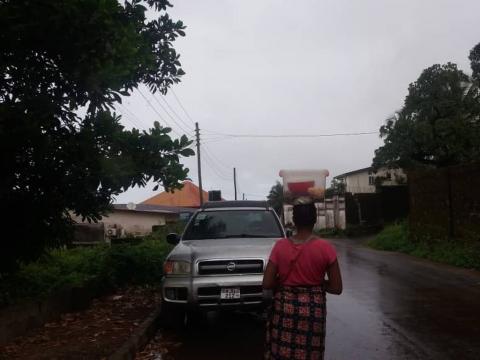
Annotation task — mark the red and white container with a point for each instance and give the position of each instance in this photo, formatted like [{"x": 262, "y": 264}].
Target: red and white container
[{"x": 304, "y": 183}]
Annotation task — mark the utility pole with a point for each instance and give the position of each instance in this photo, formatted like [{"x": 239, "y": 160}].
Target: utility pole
[
  {"x": 235, "y": 182},
  {"x": 199, "y": 164}
]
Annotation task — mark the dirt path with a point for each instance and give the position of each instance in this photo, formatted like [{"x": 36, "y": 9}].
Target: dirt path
[{"x": 91, "y": 334}]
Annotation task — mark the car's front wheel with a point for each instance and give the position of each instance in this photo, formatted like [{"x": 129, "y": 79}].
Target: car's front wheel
[{"x": 173, "y": 316}]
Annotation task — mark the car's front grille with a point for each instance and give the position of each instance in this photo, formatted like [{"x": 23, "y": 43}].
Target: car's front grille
[{"x": 226, "y": 267}]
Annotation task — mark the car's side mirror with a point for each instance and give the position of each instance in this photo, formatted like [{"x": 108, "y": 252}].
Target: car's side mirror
[
  {"x": 289, "y": 233},
  {"x": 173, "y": 238}
]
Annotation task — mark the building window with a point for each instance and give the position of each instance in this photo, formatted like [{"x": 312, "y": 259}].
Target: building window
[{"x": 371, "y": 180}]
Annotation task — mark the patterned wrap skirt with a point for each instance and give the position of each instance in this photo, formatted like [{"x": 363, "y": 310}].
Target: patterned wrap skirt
[{"x": 296, "y": 324}]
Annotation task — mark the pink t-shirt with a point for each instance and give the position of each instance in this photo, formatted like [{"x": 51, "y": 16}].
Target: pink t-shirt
[{"x": 310, "y": 266}]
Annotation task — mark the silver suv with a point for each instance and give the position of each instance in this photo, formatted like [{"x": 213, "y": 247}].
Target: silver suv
[{"x": 219, "y": 260}]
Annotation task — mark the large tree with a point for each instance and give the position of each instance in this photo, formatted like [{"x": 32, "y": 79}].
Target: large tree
[
  {"x": 439, "y": 124},
  {"x": 337, "y": 187},
  {"x": 60, "y": 59},
  {"x": 275, "y": 198}
]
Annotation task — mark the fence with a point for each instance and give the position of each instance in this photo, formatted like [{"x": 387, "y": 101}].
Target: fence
[
  {"x": 388, "y": 204},
  {"x": 445, "y": 203}
]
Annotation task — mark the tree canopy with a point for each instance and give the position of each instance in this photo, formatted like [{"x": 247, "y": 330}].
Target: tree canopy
[
  {"x": 64, "y": 65},
  {"x": 439, "y": 124},
  {"x": 337, "y": 187},
  {"x": 275, "y": 198}
]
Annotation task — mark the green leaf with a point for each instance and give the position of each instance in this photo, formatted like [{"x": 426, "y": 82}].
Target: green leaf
[{"x": 187, "y": 152}]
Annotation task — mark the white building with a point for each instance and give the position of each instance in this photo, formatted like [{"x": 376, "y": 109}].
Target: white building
[
  {"x": 124, "y": 220},
  {"x": 365, "y": 180}
]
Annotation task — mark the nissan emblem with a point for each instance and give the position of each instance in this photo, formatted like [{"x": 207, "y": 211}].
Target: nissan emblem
[{"x": 231, "y": 266}]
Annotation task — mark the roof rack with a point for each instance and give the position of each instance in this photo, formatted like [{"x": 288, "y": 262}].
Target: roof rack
[{"x": 235, "y": 203}]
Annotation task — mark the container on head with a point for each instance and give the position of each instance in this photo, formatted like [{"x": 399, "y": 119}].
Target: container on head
[{"x": 302, "y": 186}]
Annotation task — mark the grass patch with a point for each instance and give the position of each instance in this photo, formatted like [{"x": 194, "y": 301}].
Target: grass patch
[
  {"x": 331, "y": 233},
  {"x": 103, "y": 266},
  {"x": 351, "y": 231},
  {"x": 396, "y": 237}
]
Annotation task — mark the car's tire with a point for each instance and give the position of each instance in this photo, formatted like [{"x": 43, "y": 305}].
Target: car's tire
[
  {"x": 195, "y": 319},
  {"x": 172, "y": 316}
]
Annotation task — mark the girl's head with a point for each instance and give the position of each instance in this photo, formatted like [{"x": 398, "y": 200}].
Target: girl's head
[{"x": 305, "y": 216}]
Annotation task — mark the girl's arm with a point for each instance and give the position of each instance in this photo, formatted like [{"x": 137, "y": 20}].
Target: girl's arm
[
  {"x": 334, "y": 283},
  {"x": 270, "y": 276}
]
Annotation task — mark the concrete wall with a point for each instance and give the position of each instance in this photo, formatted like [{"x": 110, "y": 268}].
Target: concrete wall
[{"x": 330, "y": 214}]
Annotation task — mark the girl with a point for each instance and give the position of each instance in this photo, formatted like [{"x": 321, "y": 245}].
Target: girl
[{"x": 296, "y": 274}]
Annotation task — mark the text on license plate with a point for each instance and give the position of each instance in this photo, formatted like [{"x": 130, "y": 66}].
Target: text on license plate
[{"x": 230, "y": 293}]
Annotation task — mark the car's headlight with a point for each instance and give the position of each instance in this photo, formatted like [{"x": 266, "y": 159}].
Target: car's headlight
[{"x": 176, "y": 267}]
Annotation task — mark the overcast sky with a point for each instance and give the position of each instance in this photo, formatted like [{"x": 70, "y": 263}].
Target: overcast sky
[{"x": 308, "y": 66}]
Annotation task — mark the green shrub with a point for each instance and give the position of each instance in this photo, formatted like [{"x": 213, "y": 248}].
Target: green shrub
[
  {"x": 396, "y": 237},
  {"x": 392, "y": 238},
  {"x": 138, "y": 264},
  {"x": 102, "y": 266}
]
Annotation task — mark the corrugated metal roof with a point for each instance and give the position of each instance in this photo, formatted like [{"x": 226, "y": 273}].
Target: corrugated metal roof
[
  {"x": 188, "y": 196},
  {"x": 353, "y": 172},
  {"x": 155, "y": 208}
]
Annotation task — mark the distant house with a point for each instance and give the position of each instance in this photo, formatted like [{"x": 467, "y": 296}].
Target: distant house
[
  {"x": 366, "y": 180},
  {"x": 374, "y": 197},
  {"x": 141, "y": 219},
  {"x": 128, "y": 220},
  {"x": 188, "y": 196}
]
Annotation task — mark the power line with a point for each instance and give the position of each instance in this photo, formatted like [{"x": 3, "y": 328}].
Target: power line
[
  {"x": 183, "y": 108},
  {"x": 216, "y": 173},
  {"x": 271, "y": 135},
  {"x": 125, "y": 109},
  {"x": 156, "y": 112},
  {"x": 175, "y": 113},
  {"x": 293, "y": 135},
  {"x": 208, "y": 141},
  {"x": 214, "y": 167},
  {"x": 170, "y": 116},
  {"x": 216, "y": 170},
  {"x": 214, "y": 157},
  {"x": 127, "y": 118}
]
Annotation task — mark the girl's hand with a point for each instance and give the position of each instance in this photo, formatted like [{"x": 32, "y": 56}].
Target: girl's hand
[
  {"x": 334, "y": 283},
  {"x": 270, "y": 276}
]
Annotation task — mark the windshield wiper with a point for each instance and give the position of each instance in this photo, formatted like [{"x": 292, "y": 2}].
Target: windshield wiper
[{"x": 244, "y": 235}]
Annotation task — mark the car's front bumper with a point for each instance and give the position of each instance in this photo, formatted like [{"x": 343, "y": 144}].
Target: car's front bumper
[{"x": 204, "y": 291}]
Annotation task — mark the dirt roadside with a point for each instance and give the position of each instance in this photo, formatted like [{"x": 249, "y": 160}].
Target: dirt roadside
[{"x": 91, "y": 334}]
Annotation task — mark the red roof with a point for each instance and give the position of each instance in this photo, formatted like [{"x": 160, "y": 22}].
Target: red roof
[{"x": 188, "y": 196}]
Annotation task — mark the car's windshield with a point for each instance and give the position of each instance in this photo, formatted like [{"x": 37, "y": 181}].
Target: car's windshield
[{"x": 224, "y": 224}]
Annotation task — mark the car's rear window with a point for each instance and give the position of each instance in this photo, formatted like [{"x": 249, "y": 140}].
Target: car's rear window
[{"x": 233, "y": 224}]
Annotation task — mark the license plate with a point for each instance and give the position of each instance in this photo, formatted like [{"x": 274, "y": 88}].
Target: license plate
[{"x": 230, "y": 293}]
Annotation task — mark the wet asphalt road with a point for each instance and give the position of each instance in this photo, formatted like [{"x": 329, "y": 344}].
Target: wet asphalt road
[{"x": 393, "y": 307}]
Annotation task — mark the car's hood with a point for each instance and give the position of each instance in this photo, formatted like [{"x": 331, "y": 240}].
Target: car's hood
[{"x": 226, "y": 248}]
